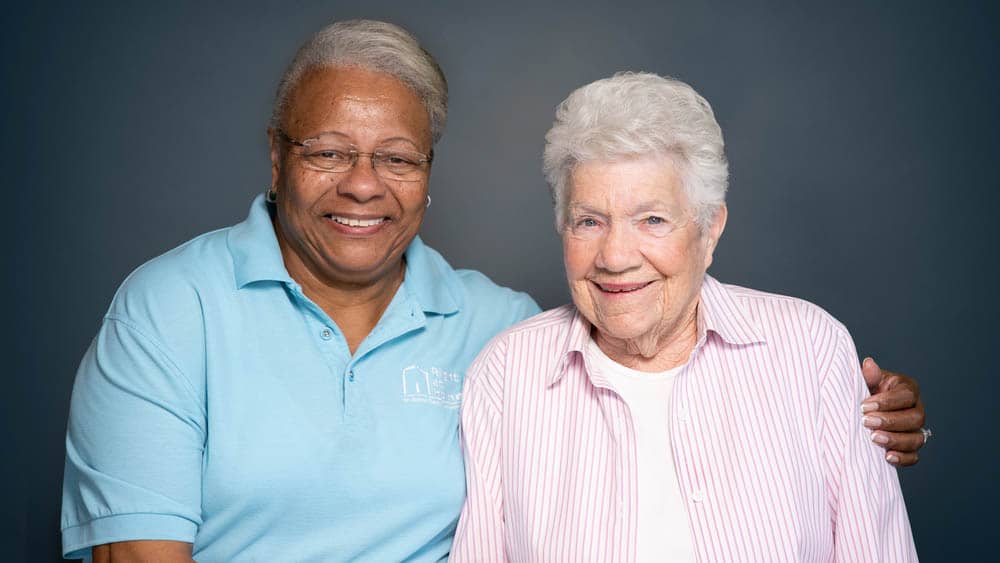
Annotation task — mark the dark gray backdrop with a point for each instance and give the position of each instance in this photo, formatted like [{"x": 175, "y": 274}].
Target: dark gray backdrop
[{"x": 862, "y": 141}]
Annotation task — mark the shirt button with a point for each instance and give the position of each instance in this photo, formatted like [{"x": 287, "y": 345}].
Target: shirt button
[
  {"x": 326, "y": 334},
  {"x": 682, "y": 414},
  {"x": 698, "y": 496}
]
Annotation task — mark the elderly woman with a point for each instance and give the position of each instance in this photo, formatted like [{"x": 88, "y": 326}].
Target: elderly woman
[
  {"x": 665, "y": 416},
  {"x": 287, "y": 389}
]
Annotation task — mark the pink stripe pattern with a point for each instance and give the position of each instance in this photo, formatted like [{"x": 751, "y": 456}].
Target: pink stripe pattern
[{"x": 770, "y": 453}]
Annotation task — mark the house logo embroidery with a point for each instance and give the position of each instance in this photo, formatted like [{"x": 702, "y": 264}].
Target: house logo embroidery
[{"x": 432, "y": 385}]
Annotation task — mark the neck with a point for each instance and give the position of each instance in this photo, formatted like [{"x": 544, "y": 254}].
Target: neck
[
  {"x": 354, "y": 305},
  {"x": 660, "y": 351}
]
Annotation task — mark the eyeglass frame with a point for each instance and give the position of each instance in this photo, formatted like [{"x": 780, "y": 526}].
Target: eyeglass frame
[{"x": 425, "y": 158}]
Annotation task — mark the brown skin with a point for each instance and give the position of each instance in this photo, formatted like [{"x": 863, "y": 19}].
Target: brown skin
[
  {"x": 143, "y": 552},
  {"x": 352, "y": 276},
  {"x": 898, "y": 413}
]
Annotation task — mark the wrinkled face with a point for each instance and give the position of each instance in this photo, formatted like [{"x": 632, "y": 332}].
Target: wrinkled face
[
  {"x": 348, "y": 227},
  {"x": 635, "y": 258}
]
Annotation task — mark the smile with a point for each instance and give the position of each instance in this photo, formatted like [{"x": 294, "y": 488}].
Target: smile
[
  {"x": 621, "y": 287},
  {"x": 356, "y": 222}
]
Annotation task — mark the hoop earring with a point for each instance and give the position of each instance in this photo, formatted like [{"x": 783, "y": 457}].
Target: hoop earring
[
  {"x": 271, "y": 195},
  {"x": 428, "y": 201}
]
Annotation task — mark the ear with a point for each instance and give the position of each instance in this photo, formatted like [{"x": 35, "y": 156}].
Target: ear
[
  {"x": 275, "y": 145},
  {"x": 714, "y": 233}
]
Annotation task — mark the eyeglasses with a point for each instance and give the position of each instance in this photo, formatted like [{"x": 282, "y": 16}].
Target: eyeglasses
[{"x": 329, "y": 153}]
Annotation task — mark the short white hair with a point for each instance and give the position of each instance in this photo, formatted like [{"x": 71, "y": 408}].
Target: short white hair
[
  {"x": 634, "y": 115},
  {"x": 373, "y": 45}
]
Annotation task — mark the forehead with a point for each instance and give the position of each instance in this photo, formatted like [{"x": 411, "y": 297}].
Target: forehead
[
  {"x": 356, "y": 102},
  {"x": 627, "y": 183}
]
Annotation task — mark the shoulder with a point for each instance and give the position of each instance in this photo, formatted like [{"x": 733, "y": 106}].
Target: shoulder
[
  {"x": 543, "y": 335},
  {"x": 481, "y": 290},
  {"x": 171, "y": 286},
  {"x": 527, "y": 353},
  {"x": 476, "y": 296},
  {"x": 771, "y": 309},
  {"x": 792, "y": 327}
]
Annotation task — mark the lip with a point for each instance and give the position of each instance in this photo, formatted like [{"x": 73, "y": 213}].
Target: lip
[
  {"x": 621, "y": 289},
  {"x": 355, "y": 224}
]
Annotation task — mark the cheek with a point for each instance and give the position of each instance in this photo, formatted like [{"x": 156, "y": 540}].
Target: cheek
[
  {"x": 304, "y": 187},
  {"x": 677, "y": 258},
  {"x": 413, "y": 198},
  {"x": 578, "y": 257}
]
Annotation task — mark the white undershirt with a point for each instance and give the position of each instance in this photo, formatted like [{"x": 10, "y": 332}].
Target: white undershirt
[{"x": 663, "y": 531}]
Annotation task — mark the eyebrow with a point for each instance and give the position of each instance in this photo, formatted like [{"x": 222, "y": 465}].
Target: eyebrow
[
  {"x": 351, "y": 142},
  {"x": 657, "y": 206}
]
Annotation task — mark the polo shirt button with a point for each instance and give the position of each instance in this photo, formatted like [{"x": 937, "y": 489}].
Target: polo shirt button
[
  {"x": 682, "y": 414},
  {"x": 698, "y": 496},
  {"x": 326, "y": 334}
]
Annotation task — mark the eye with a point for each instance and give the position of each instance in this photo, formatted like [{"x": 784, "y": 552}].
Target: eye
[
  {"x": 398, "y": 159},
  {"x": 586, "y": 222},
  {"x": 329, "y": 154},
  {"x": 654, "y": 220}
]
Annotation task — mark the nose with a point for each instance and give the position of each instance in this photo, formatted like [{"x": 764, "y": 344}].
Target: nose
[
  {"x": 361, "y": 183},
  {"x": 619, "y": 250}
]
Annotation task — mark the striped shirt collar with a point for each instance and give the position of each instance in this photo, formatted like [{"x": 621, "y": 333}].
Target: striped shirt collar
[{"x": 718, "y": 311}]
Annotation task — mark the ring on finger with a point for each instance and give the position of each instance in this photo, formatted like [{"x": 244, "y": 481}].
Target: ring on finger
[{"x": 926, "y": 433}]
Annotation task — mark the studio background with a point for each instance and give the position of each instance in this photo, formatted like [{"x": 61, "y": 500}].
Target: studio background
[{"x": 862, "y": 138}]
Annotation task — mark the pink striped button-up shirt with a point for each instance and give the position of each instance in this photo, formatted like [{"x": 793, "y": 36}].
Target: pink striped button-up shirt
[{"x": 768, "y": 446}]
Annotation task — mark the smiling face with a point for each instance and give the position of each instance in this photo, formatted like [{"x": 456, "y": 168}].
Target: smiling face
[
  {"x": 635, "y": 258},
  {"x": 348, "y": 227}
]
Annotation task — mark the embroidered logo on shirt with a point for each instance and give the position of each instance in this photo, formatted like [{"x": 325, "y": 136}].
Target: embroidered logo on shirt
[{"x": 432, "y": 385}]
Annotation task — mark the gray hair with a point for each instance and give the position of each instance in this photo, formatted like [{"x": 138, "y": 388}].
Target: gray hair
[
  {"x": 634, "y": 115},
  {"x": 372, "y": 45}
]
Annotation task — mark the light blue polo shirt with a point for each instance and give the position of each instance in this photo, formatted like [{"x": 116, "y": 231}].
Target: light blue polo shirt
[{"x": 219, "y": 406}]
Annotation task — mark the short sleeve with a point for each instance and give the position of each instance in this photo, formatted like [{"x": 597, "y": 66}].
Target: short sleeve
[{"x": 134, "y": 445}]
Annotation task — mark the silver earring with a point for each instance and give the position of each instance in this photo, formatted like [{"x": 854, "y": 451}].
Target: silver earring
[
  {"x": 428, "y": 201},
  {"x": 271, "y": 195}
]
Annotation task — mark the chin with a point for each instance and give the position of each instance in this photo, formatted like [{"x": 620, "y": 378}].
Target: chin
[{"x": 623, "y": 330}]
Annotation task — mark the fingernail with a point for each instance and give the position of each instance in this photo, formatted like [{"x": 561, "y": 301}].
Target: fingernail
[
  {"x": 880, "y": 438},
  {"x": 869, "y": 407},
  {"x": 872, "y": 421},
  {"x": 892, "y": 458}
]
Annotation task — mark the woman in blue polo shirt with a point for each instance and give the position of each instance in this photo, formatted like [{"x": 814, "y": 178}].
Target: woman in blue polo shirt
[{"x": 287, "y": 389}]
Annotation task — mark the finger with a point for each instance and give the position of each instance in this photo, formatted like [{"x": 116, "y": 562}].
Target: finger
[
  {"x": 900, "y": 442},
  {"x": 895, "y": 398},
  {"x": 902, "y": 459},
  {"x": 908, "y": 420},
  {"x": 872, "y": 373},
  {"x": 892, "y": 379}
]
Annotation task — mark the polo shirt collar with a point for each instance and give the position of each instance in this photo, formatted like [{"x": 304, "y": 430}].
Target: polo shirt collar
[
  {"x": 718, "y": 311},
  {"x": 430, "y": 281},
  {"x": 254, "y": 248},
  {"x": 257, "y": 257}
]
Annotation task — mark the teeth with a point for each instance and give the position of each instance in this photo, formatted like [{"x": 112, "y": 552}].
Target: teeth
[
  {"x": 623, "y": 290},
  {"x": 357, "y": 222}
]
